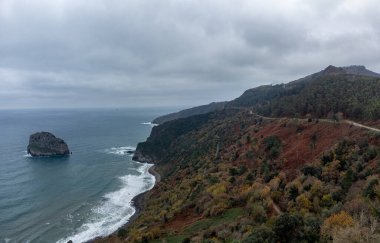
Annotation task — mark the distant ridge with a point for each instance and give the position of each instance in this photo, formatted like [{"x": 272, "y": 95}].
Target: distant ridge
[
  {"x": 280, "y": 99},
  {"x": 190, "y": 112},
  {"x": 361, "y": 70}
]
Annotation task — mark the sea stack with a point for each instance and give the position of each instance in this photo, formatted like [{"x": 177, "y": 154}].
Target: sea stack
[{"x": 45, "y": 144}]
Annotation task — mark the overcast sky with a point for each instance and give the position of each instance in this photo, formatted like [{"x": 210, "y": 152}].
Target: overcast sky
[{"x": 127, "y": 53}]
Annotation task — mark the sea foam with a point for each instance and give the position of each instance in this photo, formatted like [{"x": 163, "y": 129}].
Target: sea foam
[
  {"x": 116, "y": 208},
  {"x": 149, "y": 123},
  {"x": 26, "y": 155},
  {"x": 127, "y": 150}
]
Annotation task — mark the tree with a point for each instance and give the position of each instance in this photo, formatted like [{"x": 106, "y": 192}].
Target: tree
[
  {"x": 336, "y": 222},
  {"x": 369, "y": 191},
  {"x": 293, "y": 192},
  {"x": 348, "y": 179},
  {"x": 289, "y": 227},
  {"x": 273, "y": 146}
]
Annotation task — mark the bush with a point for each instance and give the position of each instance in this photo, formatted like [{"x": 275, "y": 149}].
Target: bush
[
  {"x": 289, "y": 227},
  {"x": 122, "y": 233},
  {"x": 242, "y": 169},
  {"x": 257, "y": 212},
  {"x": 261, "y": 234},
  {"x": 303, "y": 202},
  {"x": 293, "y": 192},
  {"x": 348, "y": 179},
  {"x": 327, "y": 158},
  {"x": 327, "y": 201},
  {"x": 249, "y": 177},
  {"x": 312, "y": 229},
  {"x": 370, "y": 154},
  {"x": 336, "y": 222},
  {"x": 273, "y": 146},
  {"x": 369, "y": 191},
  {"x": 233, "y": 171},
  {"x": 312, "y": 171},
  {"x": 186, "y": 240}
]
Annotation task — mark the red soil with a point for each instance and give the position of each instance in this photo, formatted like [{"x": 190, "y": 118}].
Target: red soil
[{"x": 297, "y": 146}]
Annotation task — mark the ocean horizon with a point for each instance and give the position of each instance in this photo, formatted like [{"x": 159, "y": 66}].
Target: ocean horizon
[{"x": 80, "y": 197}]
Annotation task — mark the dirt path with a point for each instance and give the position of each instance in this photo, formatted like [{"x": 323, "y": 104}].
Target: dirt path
[
  {"x": 276, "y": 208},
  {"x": 362, "y": 126},
  {"x": 326, "y": 120}
]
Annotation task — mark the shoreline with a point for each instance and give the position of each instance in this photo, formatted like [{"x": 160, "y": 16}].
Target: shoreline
[{"x": 138, "y": 202}]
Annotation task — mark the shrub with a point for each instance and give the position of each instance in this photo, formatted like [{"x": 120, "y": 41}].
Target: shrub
[
  {"x": 233, "y": 171},
  {"x": 293, "y": 192},
  {"x": 327, "y": 201},
  {"x": 257, "y": 212},
  {"x": 303, "y": 202},
  {"x": 273, "y": 146},
  {"x": 261, "y": 234},
  {"x": 312, "y": 229},
  {"x": 289, "y": 227},
  {"x": 369, "y": 191},
  {"x": 312, "y": 171},
  {"x": 213, "y": 180},
  {"x": 218, "y": 208},
  {"x": 186, "y": 240},
  {"x": 327, "y": 158},
  {"x": 249, "y": 177},
  {"x": 336, "y": 222},
  {"x": 348, "y": 179},
  {"x": 338, "y": 195},
  {"x": 217, "y": 190},
  {"x": 122, "y": 233},
  {"x": 370, "y": 154},
  {"x": 242, "y": 169}
]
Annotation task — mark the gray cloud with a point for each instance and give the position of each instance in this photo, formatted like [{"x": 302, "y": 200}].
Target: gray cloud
[{"x": 148, "y": 53}]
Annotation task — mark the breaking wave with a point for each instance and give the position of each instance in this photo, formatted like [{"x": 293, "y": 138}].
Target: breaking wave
[
  {"x": 116, "y": 208},
  {"x": 127, "y": 150},
  {"x": 149, "y": 123}
]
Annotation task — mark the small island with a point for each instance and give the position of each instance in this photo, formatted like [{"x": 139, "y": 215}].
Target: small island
[{"x": 45, "y": 144}]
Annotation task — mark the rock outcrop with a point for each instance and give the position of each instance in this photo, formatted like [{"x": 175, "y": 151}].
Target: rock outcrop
[{"x": 45, "y": 144}]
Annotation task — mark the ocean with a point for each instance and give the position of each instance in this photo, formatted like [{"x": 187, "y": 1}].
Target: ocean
[{"x": 79, "y": 197}]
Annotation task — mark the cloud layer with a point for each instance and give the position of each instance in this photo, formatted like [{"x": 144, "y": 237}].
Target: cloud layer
[{"x": 116, "y": 53}]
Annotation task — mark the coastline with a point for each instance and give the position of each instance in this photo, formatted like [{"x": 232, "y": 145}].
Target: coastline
[{"x": 138, "y": 202}]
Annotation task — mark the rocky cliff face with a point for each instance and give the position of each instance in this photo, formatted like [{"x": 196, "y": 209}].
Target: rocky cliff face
[{"x": 43, "y": 144}]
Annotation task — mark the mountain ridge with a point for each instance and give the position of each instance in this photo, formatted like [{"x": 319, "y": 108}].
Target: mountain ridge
[{"x": 273, "y": 91}]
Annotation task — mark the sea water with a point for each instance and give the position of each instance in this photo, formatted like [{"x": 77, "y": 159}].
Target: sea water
[{"x": 80, "y": 197}]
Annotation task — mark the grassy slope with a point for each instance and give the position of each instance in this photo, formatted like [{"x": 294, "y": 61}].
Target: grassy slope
[
  {"x": 200, "y": 186},
  {"x": 287, "y": 178}
]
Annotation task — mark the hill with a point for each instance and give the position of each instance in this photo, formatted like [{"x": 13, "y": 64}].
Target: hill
[
  {"x": 232, "y": 175},
  {"x": 353, "y": 91},
  {"x": 269, "y": 167},
  {"x": 190, "y": 112}
]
